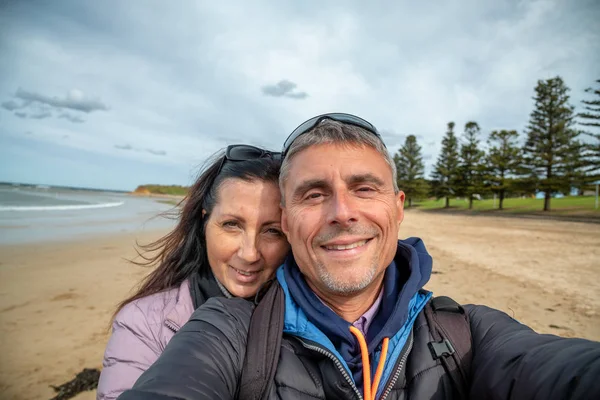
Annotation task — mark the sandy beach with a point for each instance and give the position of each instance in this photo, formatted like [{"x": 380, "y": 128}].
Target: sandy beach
[{"x": 56, "y": 299}]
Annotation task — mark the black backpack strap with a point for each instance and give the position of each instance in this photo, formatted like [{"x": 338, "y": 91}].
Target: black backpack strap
[
  {"x": 263, "y": 345},
  {"x": 451, "y": 331}
]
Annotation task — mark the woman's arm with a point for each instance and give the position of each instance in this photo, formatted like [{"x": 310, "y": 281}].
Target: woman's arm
[{"x": 131, "y": 349}]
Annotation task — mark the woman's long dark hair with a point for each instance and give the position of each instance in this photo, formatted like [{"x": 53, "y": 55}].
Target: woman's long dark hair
[{"x": 182, "y": 252}]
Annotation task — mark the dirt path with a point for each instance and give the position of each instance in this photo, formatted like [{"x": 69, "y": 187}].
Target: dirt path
[{"x": 544, "y": 273}]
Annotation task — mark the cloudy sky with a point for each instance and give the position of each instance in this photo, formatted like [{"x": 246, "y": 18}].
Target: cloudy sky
[{"x": 113, "y": 94}]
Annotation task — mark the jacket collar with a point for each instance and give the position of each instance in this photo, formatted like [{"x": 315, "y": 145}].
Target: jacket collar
[
  {"x": 184, "y": 304},
  {"x": 183, "y": 309}
]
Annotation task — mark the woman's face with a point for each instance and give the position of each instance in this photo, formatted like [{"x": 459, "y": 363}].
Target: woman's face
[{"x": 244, "y": 240}]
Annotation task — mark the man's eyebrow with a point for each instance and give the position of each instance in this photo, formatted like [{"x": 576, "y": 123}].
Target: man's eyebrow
[
  {"x": 365, "y": 178},
  {"x": 308, "y": 185}
]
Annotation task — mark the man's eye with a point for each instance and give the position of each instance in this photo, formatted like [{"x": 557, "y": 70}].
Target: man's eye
[{"x": 314, "y": 196}]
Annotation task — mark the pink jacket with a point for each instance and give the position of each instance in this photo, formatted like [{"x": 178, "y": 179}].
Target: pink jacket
[{"x": 140, "y": 333}]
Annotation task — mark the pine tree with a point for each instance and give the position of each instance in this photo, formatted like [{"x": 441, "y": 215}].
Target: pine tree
[
  {"x": 446, "y": 167},
  {"x": 409, "y": 163},
  {"x": 551, "y": 149},
  {"x": 471, "y": 170},
  {"x": 590, "y": 118},
  {"x": 504, "y": 159}
]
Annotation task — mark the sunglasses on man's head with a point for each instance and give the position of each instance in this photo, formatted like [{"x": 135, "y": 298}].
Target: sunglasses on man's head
[{"x": 339, "y": 117}]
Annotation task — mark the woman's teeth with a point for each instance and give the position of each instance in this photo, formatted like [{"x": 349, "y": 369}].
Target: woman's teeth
[{"x": 245, "y": 273}]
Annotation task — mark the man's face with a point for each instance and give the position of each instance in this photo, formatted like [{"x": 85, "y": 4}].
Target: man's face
[{"x": 341, "y": 216}]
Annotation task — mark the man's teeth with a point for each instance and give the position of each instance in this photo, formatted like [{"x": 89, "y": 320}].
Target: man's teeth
[{"x": 346, "y": 246}]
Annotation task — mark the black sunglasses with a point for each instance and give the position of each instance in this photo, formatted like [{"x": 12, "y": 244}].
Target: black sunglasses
[
  {"x": 339, "y": 117},
  {"x": 245, "y": 152}
]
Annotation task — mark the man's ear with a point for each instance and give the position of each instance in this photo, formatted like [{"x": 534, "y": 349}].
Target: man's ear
[{"x": 400, "y": 206}]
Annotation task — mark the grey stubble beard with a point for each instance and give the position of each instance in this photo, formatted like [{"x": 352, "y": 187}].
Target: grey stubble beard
[{"x": 337, "y": 286}]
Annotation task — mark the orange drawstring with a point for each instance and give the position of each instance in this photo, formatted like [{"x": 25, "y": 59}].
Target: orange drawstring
[
  {"x": 370, "y": 391},
  {"x": 379, "y": 372}
]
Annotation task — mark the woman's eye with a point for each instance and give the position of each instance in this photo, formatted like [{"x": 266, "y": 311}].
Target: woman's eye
[
  {"x": 230, "y": 224},
  {"x": 274, "y": 232}
]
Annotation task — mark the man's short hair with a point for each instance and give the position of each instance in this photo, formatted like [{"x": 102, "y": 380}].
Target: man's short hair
[{"x": 329, "y": 132}]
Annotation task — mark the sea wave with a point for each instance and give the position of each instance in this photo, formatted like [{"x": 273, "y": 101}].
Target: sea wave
[{"x": 61, "y": 208}]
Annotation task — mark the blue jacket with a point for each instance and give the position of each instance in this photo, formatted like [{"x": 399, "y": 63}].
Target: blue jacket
[{"x": 308, "y": 318}]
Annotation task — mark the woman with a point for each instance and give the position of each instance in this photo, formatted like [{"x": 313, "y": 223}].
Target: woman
[{"x": 228, "y": 242}]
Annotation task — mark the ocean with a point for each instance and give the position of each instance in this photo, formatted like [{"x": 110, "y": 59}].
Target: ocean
[{"x": 30, "y": 213}]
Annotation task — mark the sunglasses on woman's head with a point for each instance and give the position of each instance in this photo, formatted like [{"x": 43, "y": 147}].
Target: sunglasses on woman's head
[
  {"x": 339, "y": 117},
  {"x": 245, "y": 152}
]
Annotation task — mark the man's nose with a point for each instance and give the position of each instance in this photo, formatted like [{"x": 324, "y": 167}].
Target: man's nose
[{"x": 343, "y": 210}]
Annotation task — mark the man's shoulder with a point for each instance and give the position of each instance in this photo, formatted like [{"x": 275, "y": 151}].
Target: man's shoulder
[{"x": 484, "y": 314}]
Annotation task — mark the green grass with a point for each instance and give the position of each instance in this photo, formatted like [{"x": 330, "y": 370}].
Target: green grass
[
  {"x": 173, "y": 190},
  {"x": 570, "y": 205}
]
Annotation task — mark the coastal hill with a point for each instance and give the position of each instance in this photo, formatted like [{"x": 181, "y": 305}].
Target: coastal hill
[{"x": 169, "y": 190}]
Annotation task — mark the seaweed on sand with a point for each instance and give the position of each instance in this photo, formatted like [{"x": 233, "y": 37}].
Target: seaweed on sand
[{"x": 83, "y": 381}]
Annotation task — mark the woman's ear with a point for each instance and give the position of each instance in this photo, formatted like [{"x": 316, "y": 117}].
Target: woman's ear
[{"x": 203, "y": 213}]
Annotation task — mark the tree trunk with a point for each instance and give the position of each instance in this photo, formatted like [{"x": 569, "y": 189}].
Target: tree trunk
[
  {"x": 470, "y": 202},
  {"x": 547, "y": 201},
  {"x": 501, "y": 200},
  {"x": 447, "y": 202},
  {"x": 410, "y": 202}
]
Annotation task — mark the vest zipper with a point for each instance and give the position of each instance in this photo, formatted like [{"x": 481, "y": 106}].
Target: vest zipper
[
  {"x": 399, "y": 365},
  {"x": 337, "y": 363},
  {"x": 171, "y": 326}
]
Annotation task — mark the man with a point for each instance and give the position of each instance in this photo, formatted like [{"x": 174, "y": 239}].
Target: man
[{"x": 357, "y": 323}]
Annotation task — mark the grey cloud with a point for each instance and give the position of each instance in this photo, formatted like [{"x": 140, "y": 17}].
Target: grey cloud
[
  {"x": 11, "y": 105},
  {"x": 41, "y": 115},
  {"x": 432, "y": 143},
  {"x": 75, "y": 100},
  {"x": 298, "y": 95},
  {"x": 427, "y": 157},
  {"x": 157, "y": 152},
  {"x": 490, "y": 59},
  {"x": 65, "y": 136},
  {"x": 21, "y": 114},
  {"x": 73, "y": 118},
  {"x": 129, "y": 147},
  {"x": 284, "y": 88}
]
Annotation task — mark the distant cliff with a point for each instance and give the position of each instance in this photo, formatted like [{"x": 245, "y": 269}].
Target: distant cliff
[{"x": 171, "y": 190}]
